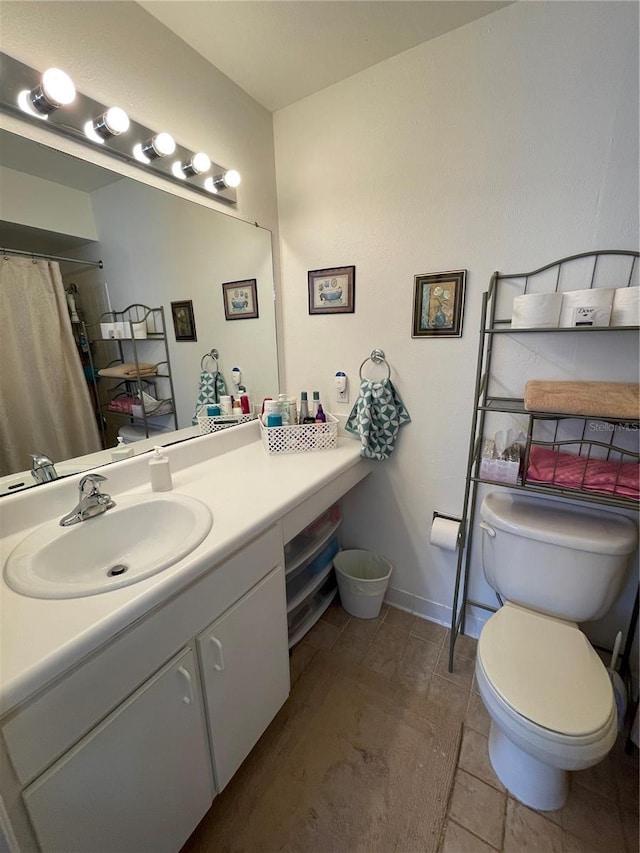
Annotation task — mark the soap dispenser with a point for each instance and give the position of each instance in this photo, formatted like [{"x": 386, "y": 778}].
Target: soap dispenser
[
  {"x": 121, "y": 450},
  {"x": 160, "y": 471}
]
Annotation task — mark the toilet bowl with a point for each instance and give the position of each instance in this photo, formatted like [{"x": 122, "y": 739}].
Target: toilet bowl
[
  {"x": 550, "y": 700},
  {"x": 548, "y": 694}
]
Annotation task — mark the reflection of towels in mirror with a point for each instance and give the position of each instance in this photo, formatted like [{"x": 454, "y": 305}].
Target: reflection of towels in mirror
[
  {"x": 129, "y": 370},
  {"x": 212, "y": 387}
]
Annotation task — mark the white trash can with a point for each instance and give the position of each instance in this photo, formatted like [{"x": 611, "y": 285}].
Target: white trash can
[{"x": 363, "y": 578}]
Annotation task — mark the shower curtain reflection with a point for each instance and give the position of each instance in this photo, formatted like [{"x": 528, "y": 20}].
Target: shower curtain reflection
[{"x": 50, "y": 413}]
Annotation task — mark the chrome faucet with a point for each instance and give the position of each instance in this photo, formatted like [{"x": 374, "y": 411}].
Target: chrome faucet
[
  {"x": 92, "y": 501},
  {"x": 42, "y": 469}
]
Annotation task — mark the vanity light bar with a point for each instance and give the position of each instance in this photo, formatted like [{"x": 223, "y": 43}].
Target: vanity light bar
[{"x": 52, "y": 96}]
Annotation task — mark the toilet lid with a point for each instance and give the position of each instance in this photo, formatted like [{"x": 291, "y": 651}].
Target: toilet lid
[{"x": 546, "y": 670}]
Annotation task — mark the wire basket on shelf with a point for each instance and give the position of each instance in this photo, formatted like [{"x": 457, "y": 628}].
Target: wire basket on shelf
[
  {"x": 213, "y": 423},
  {"x": 301, "y": 438}
]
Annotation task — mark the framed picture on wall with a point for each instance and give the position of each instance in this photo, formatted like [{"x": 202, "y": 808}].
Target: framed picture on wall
[
  {"x": 184, "y": 323},
  {"x": 332, "y": 291},
  {"x": 438, "y": 303},
  {"x": 240, "y": 299}
]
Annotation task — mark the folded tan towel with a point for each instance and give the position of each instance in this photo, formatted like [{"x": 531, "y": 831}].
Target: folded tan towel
[
  {"x": 593, "y": 399},
  {"x": 128, "y": 370}
]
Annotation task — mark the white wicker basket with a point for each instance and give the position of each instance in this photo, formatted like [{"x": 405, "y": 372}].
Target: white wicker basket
[
  {"x": 301, "y": 438},
  {"x": 218, "y": 422}
]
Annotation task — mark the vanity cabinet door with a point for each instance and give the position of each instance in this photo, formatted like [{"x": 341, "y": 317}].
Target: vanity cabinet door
[
  {"x": 139, "y": 782},
  {"x": 245, "y": 668}
]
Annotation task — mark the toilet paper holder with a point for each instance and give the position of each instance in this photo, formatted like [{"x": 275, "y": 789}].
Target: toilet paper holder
[{"x": 457, "y": 520}]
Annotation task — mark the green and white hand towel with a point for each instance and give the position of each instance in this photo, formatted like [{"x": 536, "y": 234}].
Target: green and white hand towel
[
  {"x": 212, "y": 387},
  {"x": 376, "y": 418}
]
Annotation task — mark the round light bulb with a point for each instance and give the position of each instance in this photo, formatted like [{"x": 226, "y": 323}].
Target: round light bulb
[
  {"x": 116, "y": 121},
  {"x": 164, "y": 144},
  {"x": 232, "y": 178},
  {"x": 58, "y": 87},
  {"x": 138, "y": 153},
  {"x": 200, "y": 163}
]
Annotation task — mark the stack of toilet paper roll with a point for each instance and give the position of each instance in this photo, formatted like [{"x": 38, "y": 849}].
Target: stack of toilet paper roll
[{"x": 596, "y": 306}]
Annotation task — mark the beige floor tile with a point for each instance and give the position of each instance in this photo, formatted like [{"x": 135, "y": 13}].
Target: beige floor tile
[
  {"x": 400, "y": 619},
  {"x": 463, "y": 669},
  {"x": 416, "y": 666},
  {"x": 478, "y": 807},
  {"x": 474, "y": 758},
  {"x": 466, "y": 646},
  {"x": 335, "y": 615},
  {"x": 527, "y": 831},
  {"x": 448, "y": 698},
  {"x": 386, "y": 650},
  {"x": 349, "y": 648},
  {"x": 631, "y": 830},
  {"x": 477, "y": 716},
  {"x": 301, "y": 655},
  {"x": 572, "y": 844},
  {"x": 593, "y": 818},
  {"x": 427, "y": 630},
  {"x": 322, "y": 635},
  {"x": 625, "y": 768},
  {"x": 459, "y": 840},
  {"x": 599, "y": 778},
  {"x": 365, "y": 629}
]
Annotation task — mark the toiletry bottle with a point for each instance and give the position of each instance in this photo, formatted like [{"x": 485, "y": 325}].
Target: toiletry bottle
[
  {"x": 303, "y": 414},
  {"x": 321, "y": 418},
  {"x": 160, "y": 471},
  {"x": 245, "y": 403},
  {"x": 225, "y": 405},
  {"x": 315, "y": 403},
  {"x": 121, "y": 450},
  {"x": 236, "y": 408}
]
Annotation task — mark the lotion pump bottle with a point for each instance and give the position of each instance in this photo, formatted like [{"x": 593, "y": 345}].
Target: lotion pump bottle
[
  {"x": 121, "y": 450},
  {"x": 160, "y": 471}
]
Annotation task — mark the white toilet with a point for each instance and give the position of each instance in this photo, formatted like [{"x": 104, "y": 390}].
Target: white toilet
[{"x": 547, "y": 692}]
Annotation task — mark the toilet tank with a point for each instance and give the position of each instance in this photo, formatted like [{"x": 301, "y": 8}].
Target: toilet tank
[{"x": 554, "y": 558}]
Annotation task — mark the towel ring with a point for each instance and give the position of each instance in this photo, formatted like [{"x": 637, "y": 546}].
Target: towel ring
[
  {"x": 213, "y": 354},
  {"x": 377, "y": 357}
]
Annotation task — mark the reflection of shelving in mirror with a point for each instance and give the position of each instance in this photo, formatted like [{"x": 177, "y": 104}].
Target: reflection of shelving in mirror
[{"x": 131, "y": 372}]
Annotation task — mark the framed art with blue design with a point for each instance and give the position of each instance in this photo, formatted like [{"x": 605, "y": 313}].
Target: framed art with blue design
[
  {"x": 332, "y": 291},
  {"x": 438, "y": 304},
  {"x": 240, "y": 299}
]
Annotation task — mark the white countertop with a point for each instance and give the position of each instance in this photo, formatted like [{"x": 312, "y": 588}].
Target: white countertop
[{"x": 246, "y": 490}]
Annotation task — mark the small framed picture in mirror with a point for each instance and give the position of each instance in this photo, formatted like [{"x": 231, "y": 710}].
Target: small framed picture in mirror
[
  {"x": 184, "y": 323},
  {"x": 240, "y": 299}
]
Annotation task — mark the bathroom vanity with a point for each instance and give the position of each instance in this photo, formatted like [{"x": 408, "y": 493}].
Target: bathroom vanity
[{"x": 126, "y": 712}]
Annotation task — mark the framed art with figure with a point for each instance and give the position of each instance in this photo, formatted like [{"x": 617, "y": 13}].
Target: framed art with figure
[
  {"x": 184, "y": 323},
  {"x": 438, "y": 303}
]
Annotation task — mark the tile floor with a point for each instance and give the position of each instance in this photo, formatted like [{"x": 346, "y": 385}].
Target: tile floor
[{"x": 601, "y": 814}]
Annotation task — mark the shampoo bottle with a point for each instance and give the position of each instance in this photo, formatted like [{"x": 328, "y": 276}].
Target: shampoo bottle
[{"x": 160, "y": 471}]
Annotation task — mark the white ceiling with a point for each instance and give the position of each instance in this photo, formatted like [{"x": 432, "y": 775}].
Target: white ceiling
[{"x": 280, "y": 51}]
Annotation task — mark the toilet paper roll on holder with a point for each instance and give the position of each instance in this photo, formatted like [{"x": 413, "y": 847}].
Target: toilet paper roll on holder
[{"x": 458, "y": 521}]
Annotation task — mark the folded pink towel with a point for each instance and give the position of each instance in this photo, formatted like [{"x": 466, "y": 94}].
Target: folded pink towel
[{"x": 578, "y": 472}]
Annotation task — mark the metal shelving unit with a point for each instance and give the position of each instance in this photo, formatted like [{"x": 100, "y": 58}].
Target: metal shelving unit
[{"x": 485, "y": 403}]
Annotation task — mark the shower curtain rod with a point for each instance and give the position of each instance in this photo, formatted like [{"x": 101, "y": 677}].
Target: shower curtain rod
[{"x": 52, "y": 257}]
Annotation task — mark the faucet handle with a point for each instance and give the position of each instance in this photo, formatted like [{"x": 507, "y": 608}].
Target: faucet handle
[{"x": 94, "y": 480}]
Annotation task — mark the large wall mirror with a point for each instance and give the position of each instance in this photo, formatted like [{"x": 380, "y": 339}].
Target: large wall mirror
[{"x": 156, "y": 249}]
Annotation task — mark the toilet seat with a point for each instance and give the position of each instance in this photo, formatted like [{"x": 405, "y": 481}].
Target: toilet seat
[{"x": 545, "y": 671}]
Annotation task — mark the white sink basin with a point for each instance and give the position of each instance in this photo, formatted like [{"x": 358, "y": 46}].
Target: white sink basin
[{"x": 140, "y": 536}]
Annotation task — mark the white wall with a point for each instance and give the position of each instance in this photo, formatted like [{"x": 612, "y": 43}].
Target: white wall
[
  {"x": 28, "y": 200},
  {"x": 506, "y": 144}
]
